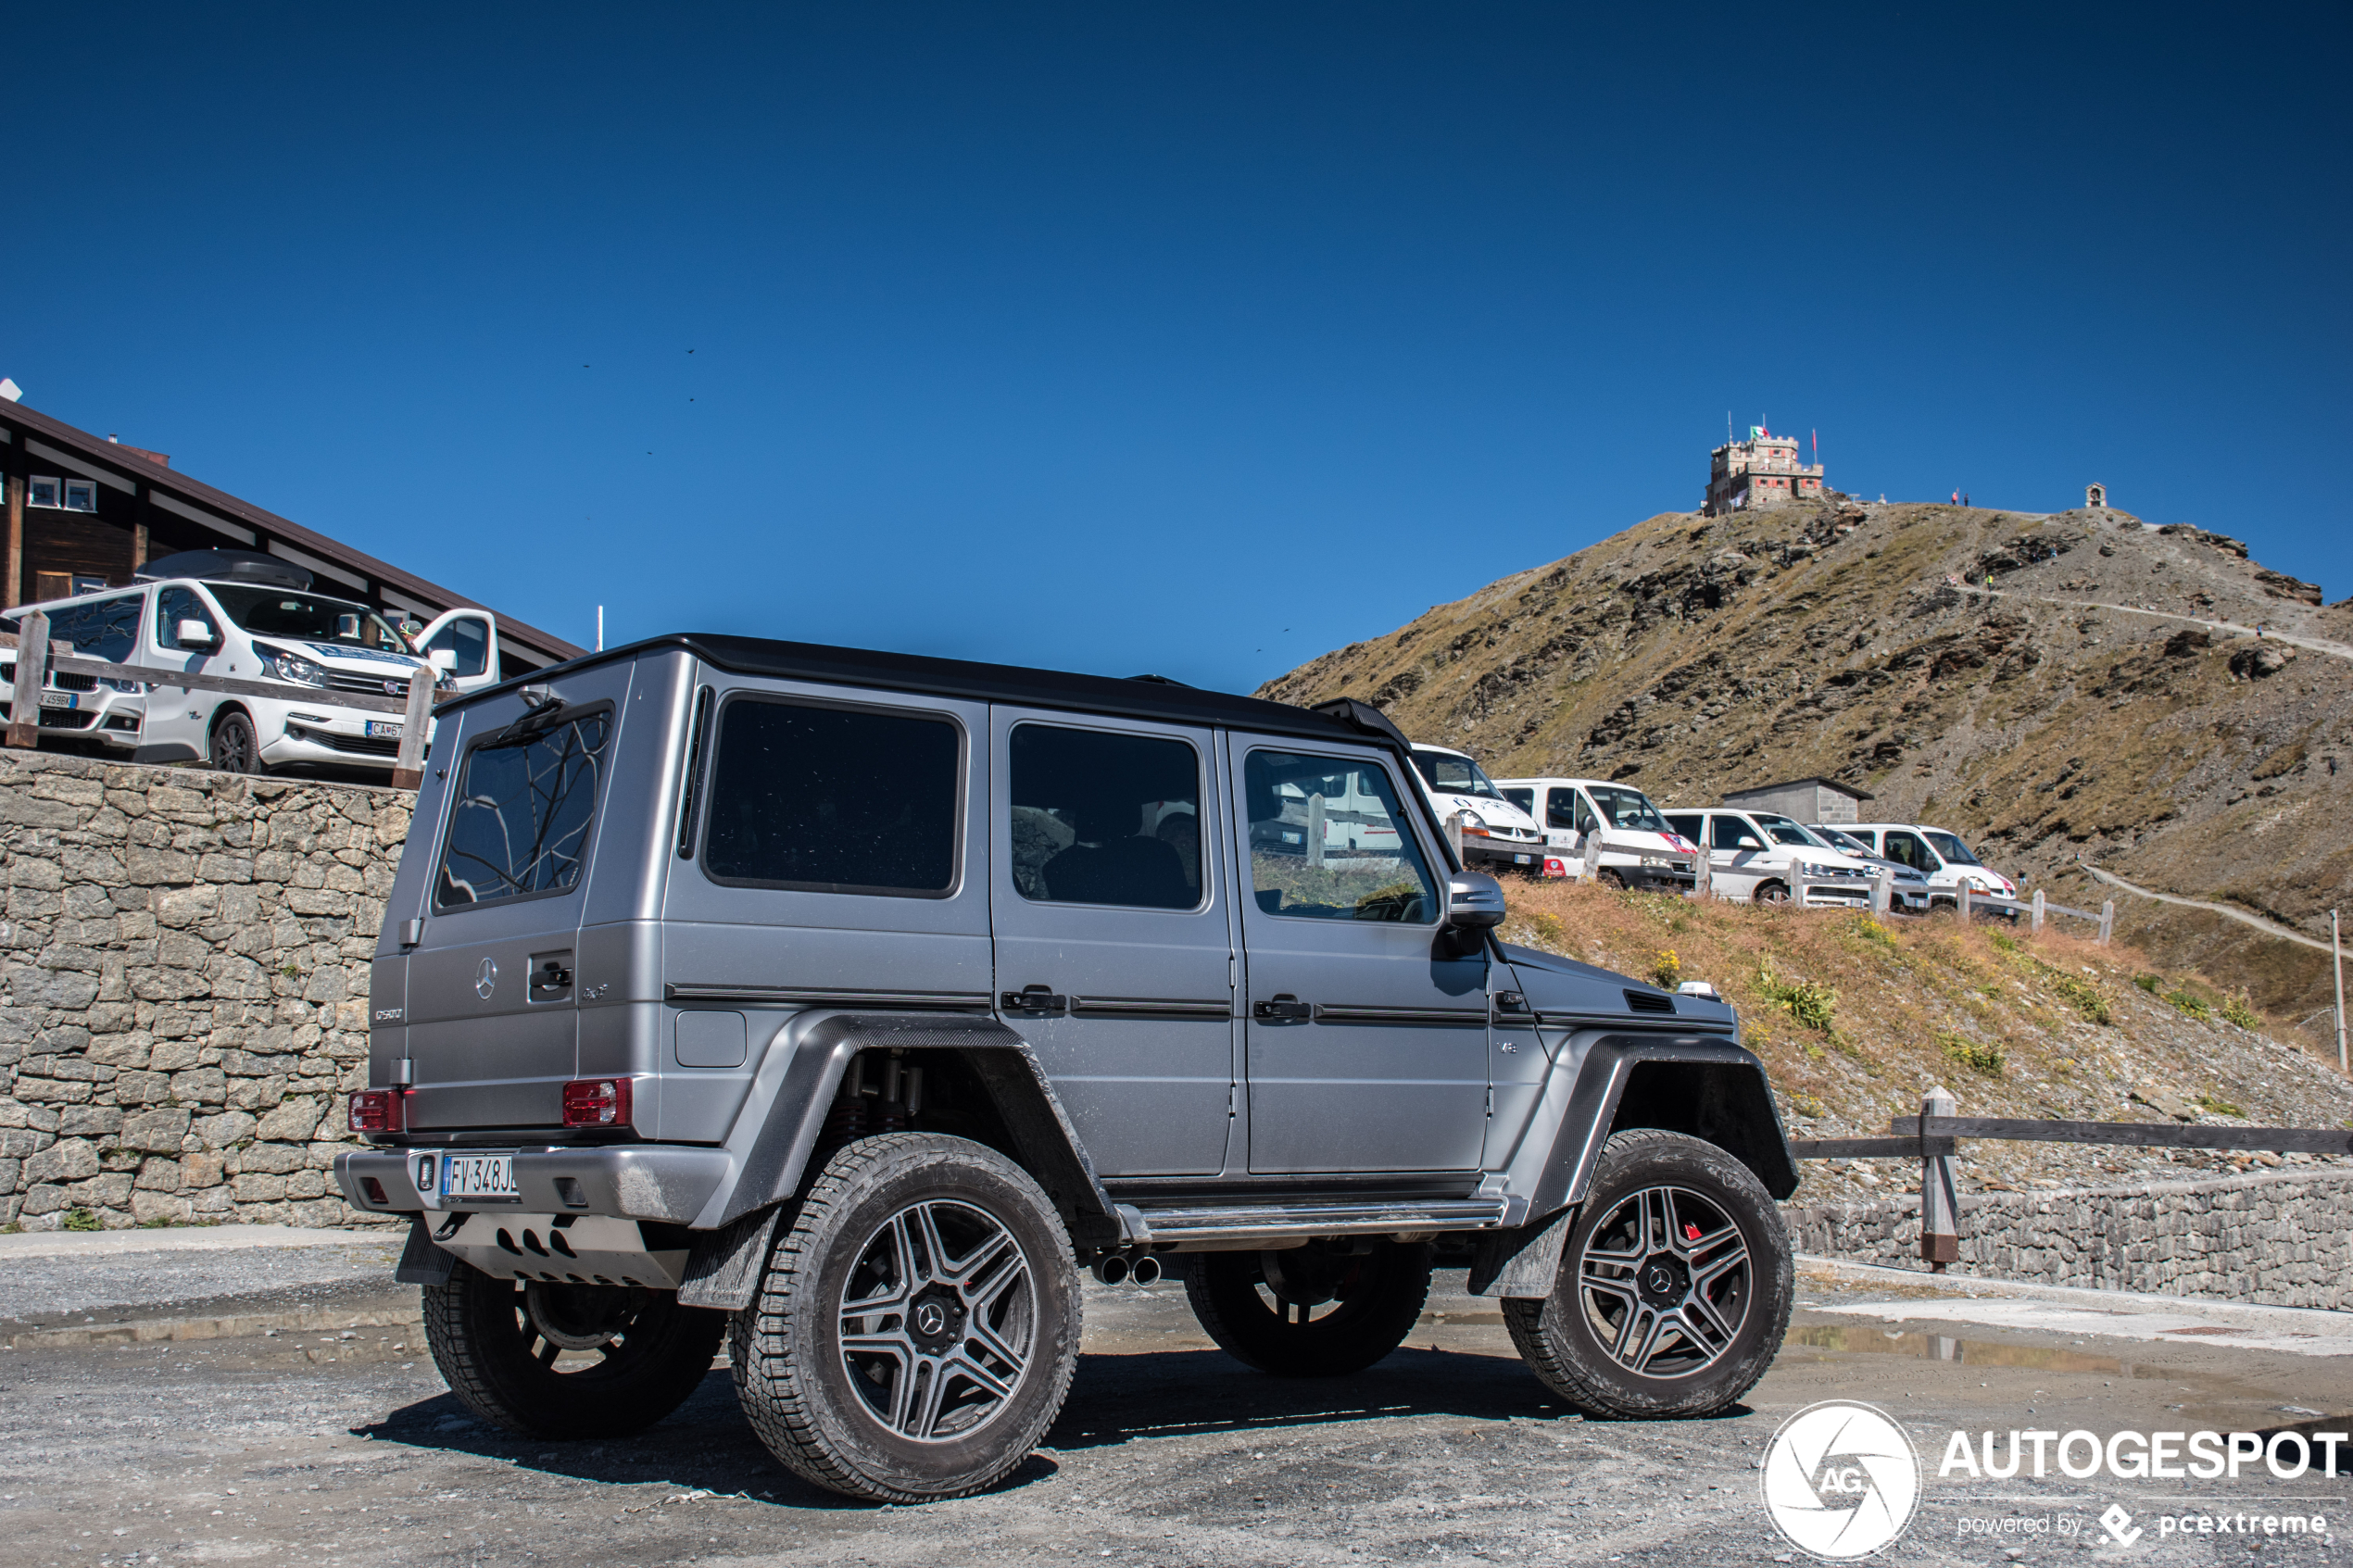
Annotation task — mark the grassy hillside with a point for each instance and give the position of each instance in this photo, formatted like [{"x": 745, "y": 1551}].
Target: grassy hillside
[
  {"x": 2047, "y": 686},
  {"x": 1855, "y": 1019}
]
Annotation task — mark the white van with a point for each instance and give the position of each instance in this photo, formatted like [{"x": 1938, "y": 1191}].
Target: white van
[
  {"x": 252, "y": 617},
  {"x": 1757, "y": 856},
  {"x": 1497, "y": 836},
  {"x": 1937, "y": 855},
  {"x": 1638, "y": 849}
]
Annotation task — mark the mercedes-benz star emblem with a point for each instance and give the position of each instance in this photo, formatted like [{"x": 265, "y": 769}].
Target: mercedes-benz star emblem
[
  {"x": 930, "y": 1318},
  {"x": 486, "y": 978}
]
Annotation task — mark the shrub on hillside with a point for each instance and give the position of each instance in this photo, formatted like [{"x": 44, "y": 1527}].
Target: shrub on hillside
[{"x": 1981, "y": 1057}]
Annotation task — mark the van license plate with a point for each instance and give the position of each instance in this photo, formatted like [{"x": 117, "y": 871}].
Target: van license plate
[
  {"x": 379, "y": 731},
  {"x": 480, "y": 1177},
  {"x": 1523, "y": 859},
  {"x": 56, "y": 699}
]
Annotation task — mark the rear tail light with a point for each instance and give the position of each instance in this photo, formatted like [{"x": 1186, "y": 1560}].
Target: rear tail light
[
  {"x": 596, "y": 1102},
  {"x": 380, "y": 1110}
]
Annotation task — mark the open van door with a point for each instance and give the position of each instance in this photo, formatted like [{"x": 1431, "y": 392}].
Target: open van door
[{"x": 471, "y": 636}]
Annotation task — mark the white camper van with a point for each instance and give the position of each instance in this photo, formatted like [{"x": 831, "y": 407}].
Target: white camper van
[
  {"x": 1497, "y": 836},
  {"x": 1637, "y": 850},
  {"x": 1937, "y": 855},
  {"x": 253, "y": 617}
]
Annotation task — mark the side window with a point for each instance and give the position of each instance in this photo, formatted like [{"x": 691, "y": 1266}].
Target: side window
[
  {"x": 1586, "y": 821},
  {"x": 524, "y": 805},
  {"x": 1523, "y": 799},
  {"x": 1911, "y": 851},
  {"x": 831, "y": 799},
  {"x": 1366, "y": 866},
  {"x": 1732, "y": 832},
  {"x": 1686, "y": 824},
  {"x": 469, "y": 639},
  {"x": 107, "y": 630},
  {"x": 1105, "y": 819},
  {"x": 174, "y": 605}
]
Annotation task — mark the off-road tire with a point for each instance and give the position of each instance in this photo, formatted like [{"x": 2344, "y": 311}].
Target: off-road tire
[
  {"x": 235, "y": 746},
  {"x": 491, "y": 1353},
  {"x": 790, "y": 1373},
  {"x": 1380, "y": 1299},
  {"x": 1554, "y": 1337}
]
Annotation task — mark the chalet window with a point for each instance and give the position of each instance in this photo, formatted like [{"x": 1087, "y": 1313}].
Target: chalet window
[
  {"x": 81, "y": 496},
  {"x": 44, "y": 492}
]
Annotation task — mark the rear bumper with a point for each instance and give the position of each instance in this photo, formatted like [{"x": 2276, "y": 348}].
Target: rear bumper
[{"x": 665, "y": 1183}]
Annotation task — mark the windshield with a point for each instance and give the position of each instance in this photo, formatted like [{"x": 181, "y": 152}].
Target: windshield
[
  {"x": 287, "y": 612},
  {"x": 1838, "y": 840},
  {"x": 1456, "y": 775},
  {"x": 1627, "y": 809},
  {"x": 1783, "y": 831},
  {"x": 1952, "y": 848}
]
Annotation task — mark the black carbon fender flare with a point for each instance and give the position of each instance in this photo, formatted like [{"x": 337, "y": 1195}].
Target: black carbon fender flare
[
  {"x": 776, "y": 1159},
  {"x": 1711, "y": 1089}
]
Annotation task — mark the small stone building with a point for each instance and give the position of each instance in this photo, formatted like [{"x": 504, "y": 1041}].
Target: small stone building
[
  {"x": 1761, "y": 472},
  {"x": 1806, "y": 800}
]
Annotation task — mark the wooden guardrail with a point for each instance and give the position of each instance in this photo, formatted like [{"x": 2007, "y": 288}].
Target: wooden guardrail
[
  {"x": 1932, "y": 1137},
  {"x": 33, "y": 648}
]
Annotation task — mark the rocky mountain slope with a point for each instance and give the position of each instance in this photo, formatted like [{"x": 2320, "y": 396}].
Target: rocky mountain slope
[{"x": 2075, "y": 684}]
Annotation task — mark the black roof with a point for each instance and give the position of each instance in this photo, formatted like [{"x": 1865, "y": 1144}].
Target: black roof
[{"x": 1141, "y": 697}]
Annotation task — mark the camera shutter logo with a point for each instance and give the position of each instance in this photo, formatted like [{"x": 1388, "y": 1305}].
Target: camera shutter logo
[{"x": 1841, "y": 1480}]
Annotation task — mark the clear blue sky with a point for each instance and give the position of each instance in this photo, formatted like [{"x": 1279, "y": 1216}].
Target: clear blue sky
[{"x": 1196, "y": 339}]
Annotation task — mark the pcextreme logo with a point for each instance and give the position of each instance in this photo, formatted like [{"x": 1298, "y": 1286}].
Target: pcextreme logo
[{"x": 1841, "y": 1480}]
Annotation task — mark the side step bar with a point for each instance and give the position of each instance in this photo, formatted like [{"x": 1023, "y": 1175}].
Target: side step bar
[{"x": 1280, "y": 1222}]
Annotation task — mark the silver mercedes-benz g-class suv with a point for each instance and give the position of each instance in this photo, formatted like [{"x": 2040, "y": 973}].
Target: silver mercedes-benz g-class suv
[{"x": 847, "y": 1004}]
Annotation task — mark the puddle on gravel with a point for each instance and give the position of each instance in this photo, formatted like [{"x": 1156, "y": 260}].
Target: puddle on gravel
[{"x": 1864, "y": 1339}]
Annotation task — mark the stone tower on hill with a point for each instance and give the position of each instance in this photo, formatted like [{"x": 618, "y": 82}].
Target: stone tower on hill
[{"x": 1761, "y": 472}]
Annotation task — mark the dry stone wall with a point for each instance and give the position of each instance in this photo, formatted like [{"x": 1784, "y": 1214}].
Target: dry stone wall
[
  {"x": 184, "y": 987},
  {"x": 2284, "y": 1240}
]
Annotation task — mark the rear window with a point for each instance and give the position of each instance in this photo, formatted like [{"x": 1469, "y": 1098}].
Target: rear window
[
  {"x": 525, "y": 803},
  {"x": 831, "y": 799}
]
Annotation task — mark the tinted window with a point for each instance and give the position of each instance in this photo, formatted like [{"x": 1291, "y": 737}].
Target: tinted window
[
  {"x": 106, "y": 629},
  {"x": 176, "y": 605},
  {"x": 1523, "y": 799},
  {"x": 1912, "y": 852},
  {"x": 524, "y": 805},
  {"x": 834, "y": 799},
  {"x": 467, "y": 638},
  {"x": 1366, "y": 865},
  {"x": 1733, "y": 833},
  {"x": 1685, "y": 823},
  {"x": 1105, "y": 819}
]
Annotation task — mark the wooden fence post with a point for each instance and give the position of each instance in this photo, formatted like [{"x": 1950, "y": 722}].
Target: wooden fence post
[
  {"x": 1939, "y": 1195},
  {"x": 408, "y": 768},
  {"x": 1797, "y": 882},
  {"x": 32, "y": 669},
  {"x": 1884, "y": 892},
  {"x": 2037, "y": 926},
  {"x": 1454, "y": 834},
  {"x": 1593, "y": 855},
  {"x": 1316, "y": 831},
  {"x": 2108, "y": 921},
  {"x": 1960, "y": 902}
]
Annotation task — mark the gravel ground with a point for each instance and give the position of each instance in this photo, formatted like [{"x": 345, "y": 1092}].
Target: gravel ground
[
  {"x": 318, "y": 1449},
  {"x": 113, "y": 1287}
]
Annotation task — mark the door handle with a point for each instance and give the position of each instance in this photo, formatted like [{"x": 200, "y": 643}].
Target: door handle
[
  {"x": 1035, "y": 999},
  {"x": 1284, "y": 1005}
]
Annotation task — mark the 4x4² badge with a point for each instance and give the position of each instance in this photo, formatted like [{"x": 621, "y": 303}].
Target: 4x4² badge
[{"x": 486, "y": 978}]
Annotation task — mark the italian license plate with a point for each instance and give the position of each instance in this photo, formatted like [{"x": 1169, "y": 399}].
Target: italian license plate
[
  {"x": 1523, "y": 859},
  {"x": 56, "y": 699},
  {"x": 378, "y": 730},
  {"x": 479, "y": 1176}
]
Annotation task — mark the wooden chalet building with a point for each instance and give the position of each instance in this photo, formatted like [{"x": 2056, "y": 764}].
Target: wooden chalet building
[{"x": 85, "y": 513}]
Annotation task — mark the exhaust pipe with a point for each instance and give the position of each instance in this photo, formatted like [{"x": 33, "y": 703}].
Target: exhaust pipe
[
  {"x": 1111, "y": 1269},
  {"x": 1146, "y": 1270}
]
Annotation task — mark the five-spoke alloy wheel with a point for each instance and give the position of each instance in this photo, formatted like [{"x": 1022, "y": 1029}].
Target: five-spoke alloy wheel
[
  {"x": 917, "y": 1328},
  {"x": 1674, "y": 1287}
]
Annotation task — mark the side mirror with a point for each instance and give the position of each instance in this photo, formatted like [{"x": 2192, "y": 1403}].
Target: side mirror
[
  {"x": 443, "y": 659},
  {"x": 1474, "y": 906},
  {"x": 198, "y": 634}
]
